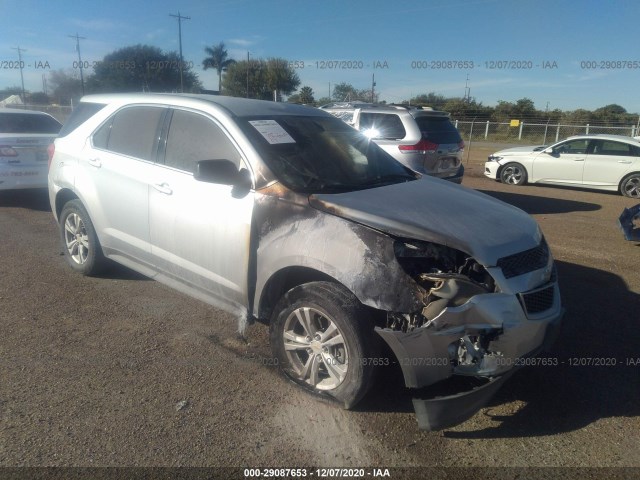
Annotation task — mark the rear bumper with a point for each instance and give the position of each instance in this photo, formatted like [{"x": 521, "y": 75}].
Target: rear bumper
[
  {"x": 457, "y": 178},
  {"x": 23, "y": 176}
]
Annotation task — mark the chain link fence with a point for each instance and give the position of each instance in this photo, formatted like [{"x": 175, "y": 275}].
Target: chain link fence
[{"x": 533, "y": 133}]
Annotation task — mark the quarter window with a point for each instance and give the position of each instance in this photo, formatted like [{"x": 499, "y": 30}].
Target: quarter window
[
  {"x": 193, "y": 137},
  {"x": 607, "y": 147}
]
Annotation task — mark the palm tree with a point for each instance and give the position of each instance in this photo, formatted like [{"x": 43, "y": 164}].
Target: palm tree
[
  {"x": 217, "y": 59},
  {"x": 306, "y": 95}
]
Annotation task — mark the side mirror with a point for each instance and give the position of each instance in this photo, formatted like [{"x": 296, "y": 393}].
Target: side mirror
[
  {"x": 223, "y": 172},
  {"x": 548, "y": 150}
]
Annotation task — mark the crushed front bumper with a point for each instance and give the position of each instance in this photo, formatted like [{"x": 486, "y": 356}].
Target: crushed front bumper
[{"x": 426, "y": 354}]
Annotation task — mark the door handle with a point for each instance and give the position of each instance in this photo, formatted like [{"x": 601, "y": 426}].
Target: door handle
[
  {"x": 95, "y": 162},
  {"x": 624, "y": 161},
  {"x": 578, "y": 159},
  {"x": 163, "y": 188}
]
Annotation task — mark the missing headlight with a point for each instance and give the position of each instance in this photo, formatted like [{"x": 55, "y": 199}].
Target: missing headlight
[{"x": 448, "y": 277}]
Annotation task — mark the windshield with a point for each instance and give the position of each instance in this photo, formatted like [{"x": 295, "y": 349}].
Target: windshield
[{"x": 321, "y": 154}]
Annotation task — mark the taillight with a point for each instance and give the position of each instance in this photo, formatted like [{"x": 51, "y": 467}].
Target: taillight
[
  {"x": 423, "y": 146},
  {"x": 6, "y": 151},
  {"x": 51, "y": 149}
]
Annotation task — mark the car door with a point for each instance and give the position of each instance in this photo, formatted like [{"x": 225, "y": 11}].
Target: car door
[
  {"x": 115, "y": 170},
  {"x": 200, "y": 232},
  {"x": 609, "y": 162},
  {"x": 564, "y": 165}
]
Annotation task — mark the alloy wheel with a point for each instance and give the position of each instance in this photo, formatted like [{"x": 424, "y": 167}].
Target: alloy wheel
[
  {"x": 316, "y": 349},
  {"x": 76, "y": 238}
]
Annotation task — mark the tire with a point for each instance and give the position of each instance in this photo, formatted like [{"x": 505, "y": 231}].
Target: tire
[
  {"x": 336, "y": 347},
  {"x": 79, "y": 240},
  {"x": 513, "y": 174},
  {"x": 630, "y": 186}
]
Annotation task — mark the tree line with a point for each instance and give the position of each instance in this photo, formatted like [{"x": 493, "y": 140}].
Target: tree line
[
  {"x": 465, "y": 109},
  {"x": 149, "y": 69}
]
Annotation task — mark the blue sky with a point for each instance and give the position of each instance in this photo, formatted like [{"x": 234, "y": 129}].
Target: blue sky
[{"x": 567, "y": 35}]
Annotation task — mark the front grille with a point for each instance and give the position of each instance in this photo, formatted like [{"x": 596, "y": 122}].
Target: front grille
[
  {"x": 525, "y": 262},
  {"x": 538, "y": 300}
]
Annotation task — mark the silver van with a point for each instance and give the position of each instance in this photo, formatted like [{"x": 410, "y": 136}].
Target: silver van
[{"x": 286, "y": 215}]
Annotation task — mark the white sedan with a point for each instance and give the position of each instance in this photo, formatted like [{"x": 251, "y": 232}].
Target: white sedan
[
  {"x": 25, "y": 136},
  {"x": 603, "y": 162}
]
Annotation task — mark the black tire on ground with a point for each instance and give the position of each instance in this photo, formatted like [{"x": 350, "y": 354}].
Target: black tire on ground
[
  {"x": 513, "y": 174},
  {"x": 630, "y": 186},
  {"x": 79, "y": 240},
  {"x": 323, "y": 340}
]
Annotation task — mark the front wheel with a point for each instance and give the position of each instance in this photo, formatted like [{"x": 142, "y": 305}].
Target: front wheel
[
  {"x": 79, "y": 240},
  {"x": 513, "y": 174},
  {"x": 323, "y": 342},
  {"x": 630, "y": 186}
]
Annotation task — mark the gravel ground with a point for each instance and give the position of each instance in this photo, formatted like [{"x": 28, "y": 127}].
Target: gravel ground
[{"x": 122, "y": 371}]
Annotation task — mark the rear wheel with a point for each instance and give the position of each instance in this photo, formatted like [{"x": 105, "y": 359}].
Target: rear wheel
[
  {"x": 323, "y": 341},
  {"x": 513, "y": 174},
  {"x": 630, "y": 186},
  {"x": 79, "y": 240}
]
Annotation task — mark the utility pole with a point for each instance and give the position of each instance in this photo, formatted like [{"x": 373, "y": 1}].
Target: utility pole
[
  {"x": 467, "y": 91},
  {"x": 373, "y": 86},
  {"x": 180, "y": 18},
  {"x": 79, "y": 57},
  {"x": 247, "y": 74},
  {"x": 20, "y": 50}
]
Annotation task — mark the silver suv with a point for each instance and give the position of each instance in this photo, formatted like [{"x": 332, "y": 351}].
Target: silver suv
[
  {"x": 284, "y": 214},
  {"x": 421, "y": 138}
]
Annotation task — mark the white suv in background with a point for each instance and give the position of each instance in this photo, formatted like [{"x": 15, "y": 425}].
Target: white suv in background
[{"x": 421, "y": 138}]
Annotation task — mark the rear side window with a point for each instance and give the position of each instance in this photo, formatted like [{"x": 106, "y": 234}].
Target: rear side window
[
  {"x": 388, "y": 125},
  {"x": 193, "y": 137},
  {"x": 439, "y": 130},
  {"x": 132, "y": 131},
  {"x": 607, "y": 147},
  {"x": 28, "y": 123},
  {"x": 83, "y": 112}
]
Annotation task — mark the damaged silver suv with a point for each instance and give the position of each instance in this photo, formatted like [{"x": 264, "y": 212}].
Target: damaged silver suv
[{"x": 287, "y": 215}]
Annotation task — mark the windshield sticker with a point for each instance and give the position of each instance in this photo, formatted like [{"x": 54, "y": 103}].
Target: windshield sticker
[{"x": 272, "y": 131}]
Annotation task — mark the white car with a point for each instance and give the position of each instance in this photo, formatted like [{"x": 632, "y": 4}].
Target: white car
[
  {"x": 25, "y": 136},
  {"x": 602, "y": 162}
]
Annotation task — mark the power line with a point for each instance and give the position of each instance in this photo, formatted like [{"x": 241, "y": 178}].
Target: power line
[
  {"x": 180, "y": 18},
  {"x": 78, "y": 38}
]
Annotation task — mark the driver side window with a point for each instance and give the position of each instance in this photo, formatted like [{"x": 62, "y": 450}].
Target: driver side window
[{"x": 573, "y": 147}]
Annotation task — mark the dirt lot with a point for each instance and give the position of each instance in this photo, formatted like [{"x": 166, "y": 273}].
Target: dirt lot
[{"x": 122, "y": 371}]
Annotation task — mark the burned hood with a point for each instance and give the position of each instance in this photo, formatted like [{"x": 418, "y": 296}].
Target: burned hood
[{"x": 438, "y": 211}]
